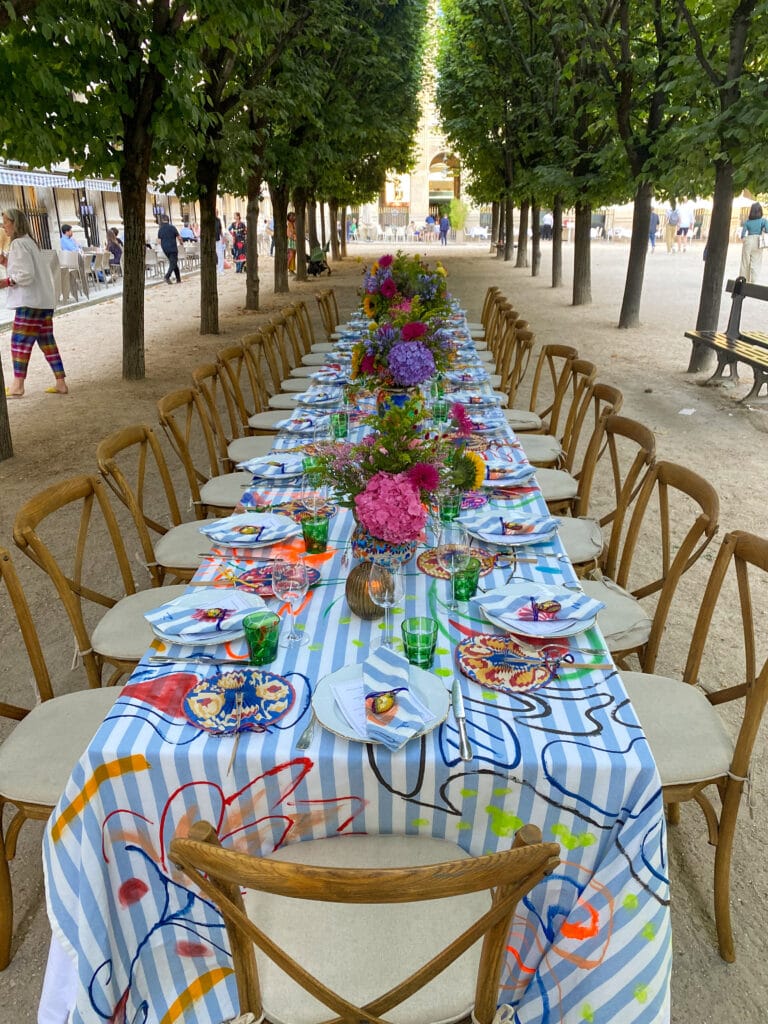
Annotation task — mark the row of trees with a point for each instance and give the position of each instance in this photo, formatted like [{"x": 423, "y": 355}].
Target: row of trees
[
  {"x": 318, "y": 99},
  {"x": 579, "y": 103}
]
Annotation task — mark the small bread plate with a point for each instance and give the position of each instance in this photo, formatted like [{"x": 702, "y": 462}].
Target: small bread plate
[
  {"x": 425, "y": 685},
  {"x": 545, "y": 596},
  {"x": 211, "y": 704}
]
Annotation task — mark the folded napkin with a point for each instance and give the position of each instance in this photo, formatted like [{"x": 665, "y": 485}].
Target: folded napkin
[
  {"x": 275, "y": 465},
  {"x": 473, "y": 398},
  {"x": 319, "y": 396},
  {"x": 244, "y": 528},
  {"x": 379, "y": 706},
  {"x": 556, "y": 606},
  {"x": 203, "y": 614},
  {"x": 465, "y": 377},
  {"x": 498, "y": 528},
  {"x": 330, "y": 377},
  {"x": 303, "y": 424},
  {"x": 508, "y": 473}
]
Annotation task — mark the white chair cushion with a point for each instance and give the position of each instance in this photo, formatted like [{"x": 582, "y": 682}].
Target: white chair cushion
[
  {"x": 556, "y": 484},
  {"x": 323, "y": 346},
  {"x": 623, "y": 622},
  {"x": 122, "y": 632},
  {"x": 540, "y": 448},
  {"x": 303, "y": 371},
  {"x": 582, "y": 538},
  {"x": 522, "y": 419},
  {"x": 244, "y": 448},
  {"x": 487, "y": 357},
  {"x": 315, "y": 359},
  {"x": 37, "y": 758},
  {"x": 360, "y": 950},
  {"x": 266, "y": 420},
  {"x": 226, "y": 490},
  {"x": 494, "y": 379},
  {"x": 684, "y": 731},
  {"x": 294, "y": 384},
  {"x": 283, "y": 401},
  {"x": 181, "y": 546},
  {"x": 502, "y": 396}
]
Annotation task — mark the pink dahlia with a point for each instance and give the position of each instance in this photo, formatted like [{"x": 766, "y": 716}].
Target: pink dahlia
[
  {"x": 461, "y": 419},
  {"x": 388, "y": 288},
  {"x": 386, "y": 261},
  {"x": 414, "y": 329},
  {"x": 424, "y": 476}
]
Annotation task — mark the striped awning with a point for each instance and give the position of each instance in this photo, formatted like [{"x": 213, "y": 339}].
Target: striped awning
[{"x": 42, "y": 179}]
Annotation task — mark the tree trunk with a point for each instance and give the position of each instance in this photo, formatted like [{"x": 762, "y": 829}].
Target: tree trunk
[
  {"x": 252, "y": 283},
  {"x": 207, "y": 183},
  {"x": 6, "y": 445},
  {"x": 300, "y": 208},
  {"x": 495, "y": 220},
  {"x": 343, "y": 231},
  {"x": 638, "y": 248},
  {"x": 522, "y": 236},
  {"x": 535, "y": 238},
  {"x": 279, "y": 196},
  {"x": 333, "y": 213},
  {"x": 134, "y": 206},
  {"x": 557, "y": 242},
  {"x": 312, "y": 218},
  {"x": 714, "y": 265},
  {"x": 509, "y": 229},
  {"x": 582, "y": 267},
  {"x": 323, "y": 235}
]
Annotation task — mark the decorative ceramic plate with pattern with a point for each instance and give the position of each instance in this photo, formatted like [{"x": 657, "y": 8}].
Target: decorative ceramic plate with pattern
[
  {"x": 428, "y": 564},
  {"x": 498, "y": 663},
  {"x": 211, "y": 704}
]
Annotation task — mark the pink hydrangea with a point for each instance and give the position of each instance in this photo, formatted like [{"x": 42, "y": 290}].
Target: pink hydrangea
[{"x": 390, "y": 508}]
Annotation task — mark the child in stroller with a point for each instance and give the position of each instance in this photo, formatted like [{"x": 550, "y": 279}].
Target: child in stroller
[{"x": 316, "y": 261}]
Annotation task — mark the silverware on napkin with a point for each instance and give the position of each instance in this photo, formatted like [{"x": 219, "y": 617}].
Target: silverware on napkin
[
  {"x": 457, "y": 702},
  {"x": 306, "y": 737},
  {"x": 167, "y": 659}
]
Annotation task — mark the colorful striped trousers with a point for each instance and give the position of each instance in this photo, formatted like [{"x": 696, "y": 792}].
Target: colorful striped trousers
[{"x": 30, "y": 326}]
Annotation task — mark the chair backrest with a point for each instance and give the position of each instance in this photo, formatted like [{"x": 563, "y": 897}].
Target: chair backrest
[
  {"x": 516, "y": 358},
  {"x": 292, "y": 338},
  {"x": 325, "y": 303},
  {"x": 271, "y": 357},
  {"x": 223, "y": 416},
  {"x": 490, "y": 297},
  {"x": 22, "y": 614},
  {"x": 279, "y": 336},
  {"x": 674, "y": 519},
  {"x": 255, "y": 348},
  {"x": 306, "y": 327},
  {"x": 134, "y": 467},
  {"x": 550, "y": 381},
  {"x": 221, "y": 874},
  {"x": 234, "y": 378},
  {"x": 79, "y": 524},
  {"x": 184, "y": 420},
  {"x": 574, "y": 406}
]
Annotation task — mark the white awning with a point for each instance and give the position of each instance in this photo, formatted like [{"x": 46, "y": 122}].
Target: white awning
[{"x": 42, "y": 179}]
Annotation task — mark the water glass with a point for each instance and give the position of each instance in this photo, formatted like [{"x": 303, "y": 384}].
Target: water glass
[
  {"x": 339, "y": 425},
  {"x": 386, "y": 588},
  {"x": 466, "y": 580},
  {"x": 440, "y": 411},
  {"x": 262, "y": 632},
  {"x": 315, "y": 532},
  {"x": 453, "y": 553},
  {"x": 419, "y": 640},
  {"x": 290, "y": 583},
  {"x": 450, "y": 505}
]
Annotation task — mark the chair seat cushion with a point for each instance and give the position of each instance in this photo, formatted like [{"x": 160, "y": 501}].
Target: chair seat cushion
[
  {"x": 623, "y": 622},
  {"x": 582, "y": 538},
  {"x": 123, "y": 633},
  {"x": 541, "y": 449},
  {"x": 522, "y": 419},
  {"x": 226, "y": 490},
  {"x": 360, "y": 950},
  {"x": 266, "y": 420},
  {"x": 487, "y": 357},
  {"x": 283, "y": 402},
  {"x": 60, "y": 730},
  {"x": 494, "y": 379},
  {"x": 182, "y": 546},
  {"x": 684, "y": 731},
  {"x": 502, "y": 396},
  {"x": 323, "y": 346},
  {"x": 244, "y": 448},
  {"x": 315, "y": 359},
  {"x": 303, "y": 371},
  {"x": 556, "y": 484},
  {"x": 294, "y": 384}
]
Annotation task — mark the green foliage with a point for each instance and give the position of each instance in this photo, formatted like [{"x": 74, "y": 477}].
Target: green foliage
[{"x": 458, "y": 212}]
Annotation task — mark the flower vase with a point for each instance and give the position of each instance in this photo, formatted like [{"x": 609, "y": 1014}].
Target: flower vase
[
  {"x": 372, "y": 551},
  {"x": 389, "y": 398}
]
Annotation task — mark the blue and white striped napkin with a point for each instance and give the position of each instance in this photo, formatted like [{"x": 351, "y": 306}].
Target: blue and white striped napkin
[
  {"x": 501, "y": 528},
  {"x": 244, "y": 528},
  {"x": 302, "y": 423},
  {"x": 319, "y": 396},
  {"x": 275, "y": 465},
  {"x": 204, "y": 614},
  {"x": 540, "y": 606}
]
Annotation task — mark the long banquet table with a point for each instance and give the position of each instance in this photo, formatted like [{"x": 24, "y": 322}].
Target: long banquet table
[{"x": 591, "y": 943}]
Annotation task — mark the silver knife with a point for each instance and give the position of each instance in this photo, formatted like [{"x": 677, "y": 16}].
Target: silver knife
[
  {"x": 167, "y": 659},
  {"x": 457, "y": 702}
]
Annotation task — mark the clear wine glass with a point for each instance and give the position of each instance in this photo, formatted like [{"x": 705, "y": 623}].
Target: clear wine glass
[
  {"x": 453, "y": 554},
  {"x": 386, "y": 588},
  {"x": 290, "y": 582},
  {"x": 314, "y": 493}
]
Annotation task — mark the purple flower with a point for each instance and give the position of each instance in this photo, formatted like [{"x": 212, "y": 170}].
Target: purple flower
[{"x": 410, "y": 363}]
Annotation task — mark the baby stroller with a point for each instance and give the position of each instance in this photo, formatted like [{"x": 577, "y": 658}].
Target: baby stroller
[{"x": 316, "y": 261}]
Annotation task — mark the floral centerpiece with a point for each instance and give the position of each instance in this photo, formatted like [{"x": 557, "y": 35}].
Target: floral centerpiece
[
  {"x": 403, "y": 356},
  {"x": 403, "y": 286}
]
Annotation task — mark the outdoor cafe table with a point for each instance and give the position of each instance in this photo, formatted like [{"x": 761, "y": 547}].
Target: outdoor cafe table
[{"x": 590, "y": 943}]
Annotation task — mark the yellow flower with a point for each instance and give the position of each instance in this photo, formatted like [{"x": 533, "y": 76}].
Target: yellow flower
[
  {"x": 357, "y": 355},
  {"x": 368, "y": 305},
  {"x": 479, "y": 464},
  {"x": 440, "y": 269},
  {"x": 374, "y": 268}
]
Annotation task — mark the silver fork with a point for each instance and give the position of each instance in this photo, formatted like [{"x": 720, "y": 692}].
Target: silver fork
[{"x": 306, "y": 737}]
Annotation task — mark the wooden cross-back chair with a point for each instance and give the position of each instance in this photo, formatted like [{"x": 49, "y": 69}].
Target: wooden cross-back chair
[
  {"x": 306, "y": 328},
  {"x": 674, "y": 518},
  {"x": 557, "y": 447},
  {"x": 39, "y": 753},
  {"x": 696, "y": 750},
  {"x": 134, "y": 467},
  {"x": 288, "y": 348},
  {"x": 185, "y": 422},
  {"x": 235, "y": 378},
  {"x": 70, "y": 560},
  {"x": 329, "y": 312},
  {"x": 516, "y": 358},
  {"x": 478, "y": 328},
  {"x": 548, "y": 387},
  {"x": 297, "y": 896},
  {"x": 503, "y": 314},
  {"x": 262, "y": 420},
  {"x": 277, "y": 366},
  {"x": 220, "y": 409}
]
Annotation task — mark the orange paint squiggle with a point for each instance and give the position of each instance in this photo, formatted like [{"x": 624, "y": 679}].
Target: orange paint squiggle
[{"x": 109, "y": 770}]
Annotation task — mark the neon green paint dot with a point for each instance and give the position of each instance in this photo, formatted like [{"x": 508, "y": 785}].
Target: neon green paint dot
[
  {"x": 443, "y": 671},
  {"x": 641, "y": 993},
  {"x": 649, "y": 932},
  {"x": 345, "y": 621},
  {"x": 410, "y": 597},
  {"x": 490, "y": 695},
  {"x": 315, "y": 647},
  {"x": 468, "y": 792},
  {"x": 463, "y": 826},
  {"x": 358, "y": 643},
  {"x": 501, "y": 791},
  {"x": 418, "y": 822},
  {"x": 502, "y": 822},
  {"x": 442, "y": 650},
  {"x": 398, "y": 611},
  {"x": 587, "y": 1013},
  {"x": 631, "y": 901},
  {"x": 570, "y": 840},
  {"x": 380, "y": 626}
]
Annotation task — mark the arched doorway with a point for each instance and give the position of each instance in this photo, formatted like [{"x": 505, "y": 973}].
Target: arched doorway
[{"x": 444, "y": 181}]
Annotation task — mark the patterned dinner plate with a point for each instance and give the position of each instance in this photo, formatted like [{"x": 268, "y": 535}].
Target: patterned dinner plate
[
  {"x": 498, "y": 663},
  {"x": 211, "y": 704},
  {"x": 259, "y": 580},
  {"x": 297, "y": 510},
  {"x": 428, "y": 564}
]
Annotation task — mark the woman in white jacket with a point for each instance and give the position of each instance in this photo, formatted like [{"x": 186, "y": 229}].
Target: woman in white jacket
[{"x": 29, "y": 290}]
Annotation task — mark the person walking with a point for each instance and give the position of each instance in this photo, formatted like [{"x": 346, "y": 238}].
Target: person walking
[
  {"x": 751, "y": 254},
  {"x": 445, "y": 227},
  {"x": 29, "y": 290},
  {"x": 221, "y": 245},
  {"x": 239, "y": 233},
  {"x": 168, "y": 238},
  {"x": 670, "y": 229},
  {"x": 653, "y": 227},
  {"x": 291, "y": 232}
]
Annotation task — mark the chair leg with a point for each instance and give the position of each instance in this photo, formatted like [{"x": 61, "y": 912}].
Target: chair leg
[
  {"x": 6, "y": 903},
  {"x": 723, "y": 853},
  {"x": 673, "y": 814}
]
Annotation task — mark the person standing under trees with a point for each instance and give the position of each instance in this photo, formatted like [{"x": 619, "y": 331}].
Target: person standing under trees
[
  {"x": 168, "y": 237},
  {"x": 445, "y": 227},
  {"x": 29, "y": 290},
  {"x": 653, "y": 227},
  {"x": 291, "y": 232},
  {"x": 670, "y": 229},
  {"x": 239, "y": 234},
  {"x": 751, "y": 254}
]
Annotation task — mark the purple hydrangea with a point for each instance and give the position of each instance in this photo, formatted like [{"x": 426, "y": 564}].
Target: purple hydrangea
[{"x": 410, "y": 363}]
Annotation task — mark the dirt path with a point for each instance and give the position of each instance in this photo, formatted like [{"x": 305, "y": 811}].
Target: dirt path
[{"x": 705, "y": 429}]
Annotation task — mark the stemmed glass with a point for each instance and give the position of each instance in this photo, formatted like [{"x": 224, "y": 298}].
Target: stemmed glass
[
  {"x": 386, "y": 588},
  {"x": 314, "y": 493},
  {"x": 453, "y": 554},
  {"x": 290, "y": 582}
]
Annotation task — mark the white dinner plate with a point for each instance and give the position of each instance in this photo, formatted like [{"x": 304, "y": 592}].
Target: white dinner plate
[
  {"x": 541, "y": 630},
  {"x": 292, "y": 529},
  {"x": 427, "y": 687},
  {"x": 205, "y": 598}
]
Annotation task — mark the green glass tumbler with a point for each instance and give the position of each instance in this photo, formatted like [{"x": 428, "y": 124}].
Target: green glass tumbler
[
  {"x": 466, "y": 580},
  {"x": 419, "y": 640},
  {"x": 440, "y": 410},
  {"x": 339, "y": 425},
  {"x": 262, "y": 631},
  {"x": 315, "y": 532},
  {"x": 450, "y": 506}
]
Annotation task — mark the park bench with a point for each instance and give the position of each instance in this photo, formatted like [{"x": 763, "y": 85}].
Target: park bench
[{"x": 734, "y": 346}]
